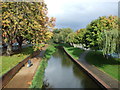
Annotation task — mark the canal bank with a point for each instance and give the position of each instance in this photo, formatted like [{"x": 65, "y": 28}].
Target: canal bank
[
  {"x": 37, "y": 81},
  {"x": 101, "y": 78},
  {"x": 61, "y": 72},
  {"x": 24, "y": 76}
]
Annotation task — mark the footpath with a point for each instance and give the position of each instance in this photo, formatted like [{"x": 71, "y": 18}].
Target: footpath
[
  {"x": 107, "y": 80},
  {"x": 23, "y": 79}
]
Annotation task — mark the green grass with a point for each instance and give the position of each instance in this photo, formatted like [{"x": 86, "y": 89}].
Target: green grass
[
  {"x": 110, "y": 66},
  {"x": 9, "y": 62},
  {"x": 37, "y": 81},
  {"x": 60, "y": 44},
  {"x": 74, "y": 52}
]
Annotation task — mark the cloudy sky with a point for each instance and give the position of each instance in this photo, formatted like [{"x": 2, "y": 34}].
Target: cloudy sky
[{"x": 76, "y": 14}]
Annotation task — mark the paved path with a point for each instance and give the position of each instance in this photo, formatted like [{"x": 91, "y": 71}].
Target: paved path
[
  {"x": 24, "y": 77},
  {"x": 103, "y": 76}
]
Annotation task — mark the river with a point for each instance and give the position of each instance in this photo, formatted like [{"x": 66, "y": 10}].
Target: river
[{"x": 62, "y": 72}]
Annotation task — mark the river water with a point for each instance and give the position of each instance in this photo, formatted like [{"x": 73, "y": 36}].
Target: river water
[{"x": 62, "y": 72}]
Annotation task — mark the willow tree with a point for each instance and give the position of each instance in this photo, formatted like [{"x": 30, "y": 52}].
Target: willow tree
[{"x": 111, "y": 36}]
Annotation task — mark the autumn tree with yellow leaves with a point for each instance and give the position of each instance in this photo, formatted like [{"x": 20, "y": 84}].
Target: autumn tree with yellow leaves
[{"x": 25, "y": 20}]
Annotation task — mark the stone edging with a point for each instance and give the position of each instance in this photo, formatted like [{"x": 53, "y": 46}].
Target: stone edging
[
  {"x": 4, "y": 79},
  {"x": 100, "y": 82}
]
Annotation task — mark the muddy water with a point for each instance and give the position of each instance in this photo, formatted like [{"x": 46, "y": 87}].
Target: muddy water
[{"x": 61, "y": 72}]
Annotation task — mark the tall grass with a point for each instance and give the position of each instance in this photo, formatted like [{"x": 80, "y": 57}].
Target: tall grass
[{"x": 37, "y": 81}]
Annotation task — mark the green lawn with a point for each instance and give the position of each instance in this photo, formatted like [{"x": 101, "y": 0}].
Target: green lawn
[
  {"x": 9, "y": 62},
  {"x": 110, "y": 66},
  {"x": 74, "y": 52}
]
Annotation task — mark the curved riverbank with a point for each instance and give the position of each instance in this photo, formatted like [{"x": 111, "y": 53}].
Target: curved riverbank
[{"x": 62, "y": 72}]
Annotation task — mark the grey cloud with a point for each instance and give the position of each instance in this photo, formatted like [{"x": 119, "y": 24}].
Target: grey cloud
[{"x": 78, "y": 15}]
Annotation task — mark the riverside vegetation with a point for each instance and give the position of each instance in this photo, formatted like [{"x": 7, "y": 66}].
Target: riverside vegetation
[{"x": 37, "y": 81}]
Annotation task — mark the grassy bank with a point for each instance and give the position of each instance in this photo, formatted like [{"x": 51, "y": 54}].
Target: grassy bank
[
  {"x": 9, "y": 62},
  {"x": 74, "y": 52},
  {"x": 37, "y": 81},
  {"x": 110, "y": 66}
]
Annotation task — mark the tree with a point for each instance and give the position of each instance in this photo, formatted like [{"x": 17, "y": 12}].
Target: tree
[
  {"x": 9, "y": 23},
  {"x": 103, "y": 33},
  {"x": 64, "y": 33},
  {"x": 60, "y": 35},
  {"x": 94, "y": 35},
  {"x": 71, "y": 38},
  {"x": 38, "y": 23},
  {"x": 55, "y": 37},
  {"x": 111, "y": 36},
  {"x": 80, "y": 35},
  {"x": 25, "y": 20}
]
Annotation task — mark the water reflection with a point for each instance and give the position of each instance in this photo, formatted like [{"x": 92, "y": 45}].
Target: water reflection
[
  {"x": 61, "y": 72},
  {"x": 84, "y": 79},
  {"x": 65, "y": 60}
]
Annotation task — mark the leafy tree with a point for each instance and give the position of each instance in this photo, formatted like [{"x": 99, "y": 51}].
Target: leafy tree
[
  {"x": 9, "y": 23},
  {"x": 25, "y": 20},
  {"x": 55, "y": 37},
  {"x": 111, "y": 36},
  {"x": 60, "y": 35},
  {"x": 71, "y": 38},
  {"x": 92, "y": 35},
  {"x": 95, "y": 31},
  {"x": 80, "y": 35},
  {"x": 110, "y": 41},
  {"x": 76, "y": 37}
]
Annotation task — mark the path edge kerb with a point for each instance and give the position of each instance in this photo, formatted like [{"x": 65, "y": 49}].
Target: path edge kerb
[
  {"x": 100, "y": 82},
  {"x": 5, "y": 78}
]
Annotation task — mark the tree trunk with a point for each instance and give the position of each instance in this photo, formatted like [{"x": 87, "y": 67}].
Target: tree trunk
[
  {"x": 106, "y": 56},
  {"x": 70, "y": 44},
  {"x": 20, "y": 45},
  {"x": 9, "y": 49},
  {"x": 20, "y": 41}
]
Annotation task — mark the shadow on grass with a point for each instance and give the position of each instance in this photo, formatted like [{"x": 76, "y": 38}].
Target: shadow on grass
[
  {"x": 61, "y": 44},
  {"x": 73, "y": 51},
  {"x": 97, "y": 58},
  {"x": 76, "y": 51},
  {"x": 25, "y": 51}
]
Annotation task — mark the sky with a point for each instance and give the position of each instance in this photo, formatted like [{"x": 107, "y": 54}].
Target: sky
[{"x": 77, "y": 14}]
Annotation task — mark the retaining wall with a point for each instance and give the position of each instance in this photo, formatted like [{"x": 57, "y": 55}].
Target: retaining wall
[
  {"x": 92, "y": 75},
  {"x": 4, "y": 79}
]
